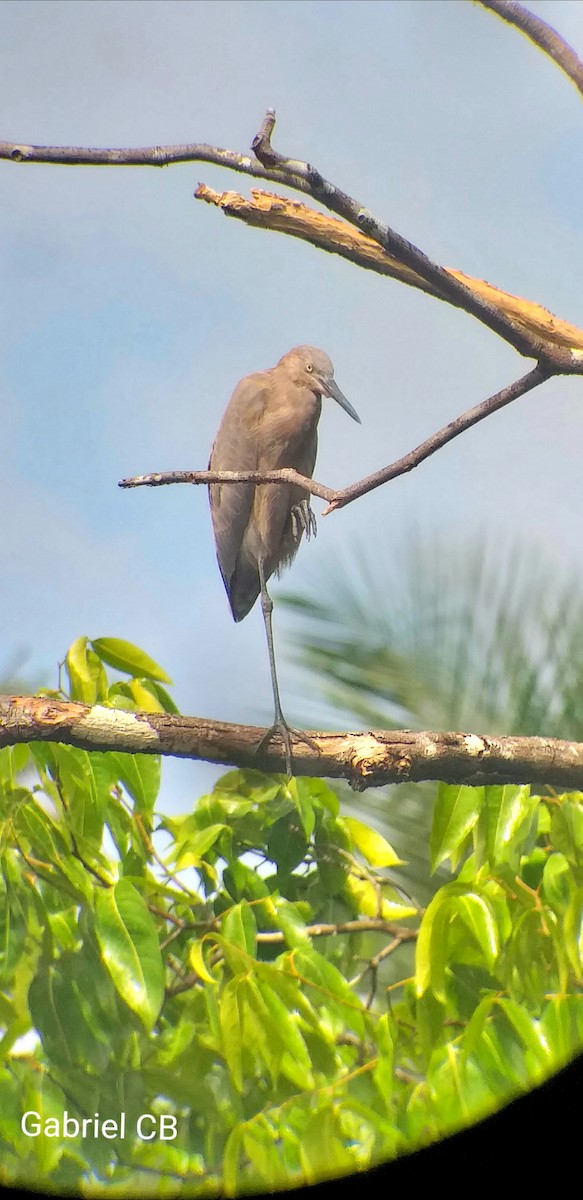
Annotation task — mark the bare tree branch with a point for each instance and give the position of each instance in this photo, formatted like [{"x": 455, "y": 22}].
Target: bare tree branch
[
  {"x": 145, "y": 156},
  {"x": 542, "y": 35},
  {"x": 284, "y": 475},
  {"x": 364, "y": 759},
  {"x": 282, "y": 214},
  {"x": 339, "y": 499},
  {"x": 301, "y": 176},
  {"x": 339, "y": 202}
]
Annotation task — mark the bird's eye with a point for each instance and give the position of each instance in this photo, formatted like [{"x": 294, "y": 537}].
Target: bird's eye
[{"x": 309, "y": 367}]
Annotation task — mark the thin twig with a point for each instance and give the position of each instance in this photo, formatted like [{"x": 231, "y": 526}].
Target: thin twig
[
  {"x": 542, "y": 35},
  {"x": 145, "y": 156},
  {"x": 340, "y": 498},
  {"x": 285, "y": 475},
  {"x": 431, "y": 444}
]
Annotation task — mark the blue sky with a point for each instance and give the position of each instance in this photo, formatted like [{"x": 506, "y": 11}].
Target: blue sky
[{"x": 129, "y": 311}]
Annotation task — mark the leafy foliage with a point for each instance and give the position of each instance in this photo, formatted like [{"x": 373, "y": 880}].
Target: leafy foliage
[
  {"x": 478, "y": 636},
  {"x": 223, "y": 991},
  {"x": 467, "y": 637}
]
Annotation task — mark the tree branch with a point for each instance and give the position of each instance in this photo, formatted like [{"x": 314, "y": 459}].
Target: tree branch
[
  {"x": 281, "y": 214},
  {"x": 542, "y": 35},
  {"x": 451, "y": 288},
  {"x": 364, "y": 759},
  {"x": 146, "y": 156},
  {"x": 284, "y": 475},
  {"x": 339, "y": 499}
]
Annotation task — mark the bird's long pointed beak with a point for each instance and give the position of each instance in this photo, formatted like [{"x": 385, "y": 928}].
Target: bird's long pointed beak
[{"x": 333, "y": 390}]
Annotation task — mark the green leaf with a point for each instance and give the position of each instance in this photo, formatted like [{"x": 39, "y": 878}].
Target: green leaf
[
  {"x": 301, "y": 794},
  {"x": 87, "y": 679},
  {"x": 475, "y": 1026},
  {"x": 555, "y": 881},
  {"x": 505, "y": 810},
  {"x": 294, "y": 1059},
  {"x": 286, "y": 843},
  {"x": 124, "y": 656},
  {"x": 230, "y": 1019},
  {"x": 198, "y": 964},
  {"x": 528, "y": 1030},
  {"x": 240, "y": 928},
  {"x": 331, "y": 988},
  {"x": 231, "y": 1158},
  {"x": 567, "y": 830},
  {"x": 129, "y": 947},
  {"x": 457, "y": 808},
  {"x": 191, "y": 852},
  {"x": 289, "y": 921},
  {"x": 140, "y": 775},
  {"x": 562, "y": 1026},
  {"x": 431, "y": 947},
  {"x": 367, "y": 899},
  {"x": 573, "y": 931},
  {"x": 477, "y": 916},
  {"x": 372, "y": 845}
]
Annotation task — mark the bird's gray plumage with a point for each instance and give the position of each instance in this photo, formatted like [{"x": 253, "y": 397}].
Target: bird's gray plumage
[{"x": 271, "y": 421}]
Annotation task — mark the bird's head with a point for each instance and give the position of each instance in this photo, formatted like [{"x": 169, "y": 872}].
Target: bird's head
[{"x": 313, "y": 369}]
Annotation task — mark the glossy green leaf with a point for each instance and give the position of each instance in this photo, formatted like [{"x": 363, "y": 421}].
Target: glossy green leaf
[
  {"x": 431, "y": 947},
  {"x": 476, "y": 1025},
  {"x": 567, "y": 830},
  {"x": 197, "y": 962},
  {"x": 372, "y": 845},
  {"x": 457, "y": 808},
  {"x": 367, "y": 899},
  {"x": 192, "y": 850},
  {"x": 287, "y": 918},
  {"x": 562, "y": 1025},
  {"x": 129, "y": 947},
  {"x": 287, "y": 843},
  {"x": 573, "y": 931},
  {"x": 528, "y": 1030},
  {"x": 240, "y": 928},
  {"x": 504, "y": 811},
  {"x": 293, "y": 1057},
  {"x": 477, "y": 916},
  {"x": 230, "y": 1018},
  {"x": 555, "y": 881},
  {"x": 300, "y": 791},
  {"x": 231, "y": 1159},
  {"x": 140, "y": 775},
  {"x": 126, "y": 657},
  {"x": 87, "y": 679}
]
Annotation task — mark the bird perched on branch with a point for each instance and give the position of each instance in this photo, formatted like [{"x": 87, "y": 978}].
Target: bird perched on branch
[{"x": 271, "y": 422}]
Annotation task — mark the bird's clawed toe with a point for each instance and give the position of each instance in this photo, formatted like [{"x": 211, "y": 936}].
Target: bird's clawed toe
[
  {"x": 303, "y": 521},
  {"x": 286, "y": 733}
]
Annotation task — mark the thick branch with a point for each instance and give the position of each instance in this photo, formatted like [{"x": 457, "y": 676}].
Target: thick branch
[
  {"x": 339, "y": 202},
  {"x": 339, "y": 499},
  {"x": 269, "y": 164},
  {"x": 364, "y": 759},
  {"x": 265, "y": 210},
  {"x": 542, "y": 35}
]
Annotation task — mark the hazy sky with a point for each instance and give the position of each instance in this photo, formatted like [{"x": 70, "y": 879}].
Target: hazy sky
[{"x": 129, "y": 310}]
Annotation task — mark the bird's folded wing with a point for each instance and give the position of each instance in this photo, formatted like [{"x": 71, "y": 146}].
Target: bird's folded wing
[{"x": 235, "y": 449}]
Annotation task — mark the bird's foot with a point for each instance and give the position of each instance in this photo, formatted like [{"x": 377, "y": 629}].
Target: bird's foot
[
  {"x": 303, "y": 521},
  {"x": 285, "y": 731}
]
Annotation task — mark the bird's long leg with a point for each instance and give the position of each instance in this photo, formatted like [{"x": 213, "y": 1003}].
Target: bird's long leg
[{"x": 280, "y": 724}]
